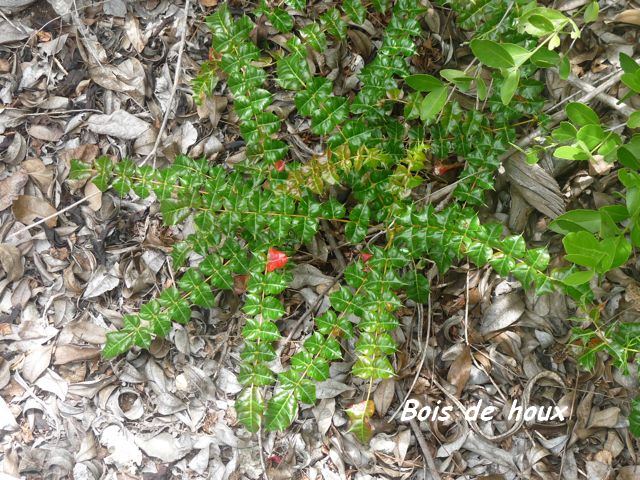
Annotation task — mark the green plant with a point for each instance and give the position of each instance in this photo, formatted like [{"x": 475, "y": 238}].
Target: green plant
[
  {"x": 598, "y": 241},
  {"x": 380, "y": 145}
]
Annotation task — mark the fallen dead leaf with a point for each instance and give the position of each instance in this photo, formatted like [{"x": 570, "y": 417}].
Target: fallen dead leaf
[
  {"x": 11, "y": 261},
  {"x": 11, "y": 187},
  {"x": 505, "y": 310},
  {"x": 460, "y": 370},
  {"x": 628, "y": 16},
  {"x": 28, "y": 209},
  {"x": 120, "y": 124}
]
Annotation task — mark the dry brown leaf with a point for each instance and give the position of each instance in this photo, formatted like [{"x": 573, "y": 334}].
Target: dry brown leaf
[
  {"x": 11, "y": 261},
  {"x": 132, "y": 29},
  {"x": 383, "y": 396},
  {"x": 74, "y": 353},
  {"x": 36, "y": 363},
  {"x": 120, "y": 124},
  {"x": 93, "y": 195},
  {"x": 43, "y": 132},
  {"x": 208, "y": 3},
  {"x": 16, "y": 151},
  {"x": 460, "y": 370},
  {"x": 28, "y": 209},
  {"x": 504, "y": 310},
  {"x": 629, "y": 16},
  {"x": 11, "y": 187},
  {"x": 38, "y": 172}
]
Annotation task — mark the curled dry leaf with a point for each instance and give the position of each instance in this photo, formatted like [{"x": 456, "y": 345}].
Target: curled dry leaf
[
  {"x": 132, "y": 29},
  {"x": 36, "y": 362},
  {"x": 11, "y": 261},
  {"x": 383, "y": 396},
  {"x": 94, "y": 197},
  {"x": 28, "y": 209},
  {"x": 11, "y": 187},
  {"x": 631, "y": 17},
  {"x": 16, "y": 150},
  {"x": 46, "y": 133},
  {"x": 460, "y": 370}
]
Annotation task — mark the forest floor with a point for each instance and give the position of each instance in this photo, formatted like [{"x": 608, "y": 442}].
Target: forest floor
[{"x": 84, "y": 79}]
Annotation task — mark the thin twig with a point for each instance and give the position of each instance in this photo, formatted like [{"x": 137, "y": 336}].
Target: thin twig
[
  {"x": 424, "y": 448},
  {"x": 174, "y": 88}
]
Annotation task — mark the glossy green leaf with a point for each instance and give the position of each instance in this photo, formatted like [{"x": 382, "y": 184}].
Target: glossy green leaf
[
  {"x": 423, "y": 82},
  {"x": 492, "y": 54},
  {"x": 580, "y": 114},
  {"x": 281, "y": 410}
]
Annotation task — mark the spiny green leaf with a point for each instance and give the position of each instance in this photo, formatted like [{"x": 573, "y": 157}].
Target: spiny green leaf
[
  {"x": 117, "y": 343},
  {"x": 249, "y": 408},
  {"x": 281, "y": 410}
]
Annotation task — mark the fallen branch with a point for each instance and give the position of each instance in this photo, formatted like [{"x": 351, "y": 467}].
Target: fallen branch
[{"x": 605, "y": 98}]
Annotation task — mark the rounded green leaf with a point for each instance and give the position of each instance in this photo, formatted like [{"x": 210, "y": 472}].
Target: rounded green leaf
[
  {"x": 423, "y": 82},
  {"x": 433, "y": 103},
  {"x": 492, "y": 54},
  {"x": 580, "y": 114},
  {"x": 578, "y": 278}
]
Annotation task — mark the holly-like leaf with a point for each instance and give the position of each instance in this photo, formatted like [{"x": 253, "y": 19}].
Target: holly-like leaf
[
  {"x": 372, "y": 368},
  {"x": 314, "y": 366},
  {"x": 316, "y": 94},
  {"x": 360, "y": 415},
  {"x": 269, "y": 307},
  {"x": 249, "y": 408},
  {"x": 314, "y": 36},
  {"x": 330, "y": 113},
  {"x": 157, "y": 317},
  {"x": 356, "y": 229},
  {"x": 293, "y": 72},
  {"x": 176, "y": 305},
  {"x": 256, "y": 329},
  {"x": 281, "y": 410},
  {"x": 334, "y": 24},
  {"x": 198, "y": 290},
  {"x": 118, "y": 343},
  {"x": 280, "y": 19},
  {"x": 356, "y": 11}
]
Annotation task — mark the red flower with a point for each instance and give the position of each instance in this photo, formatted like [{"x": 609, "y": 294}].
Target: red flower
[
  {"x": 366, "y": 256},
  {"x": 279, "y": 165},
  {"x": 276, "y": 259}
]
